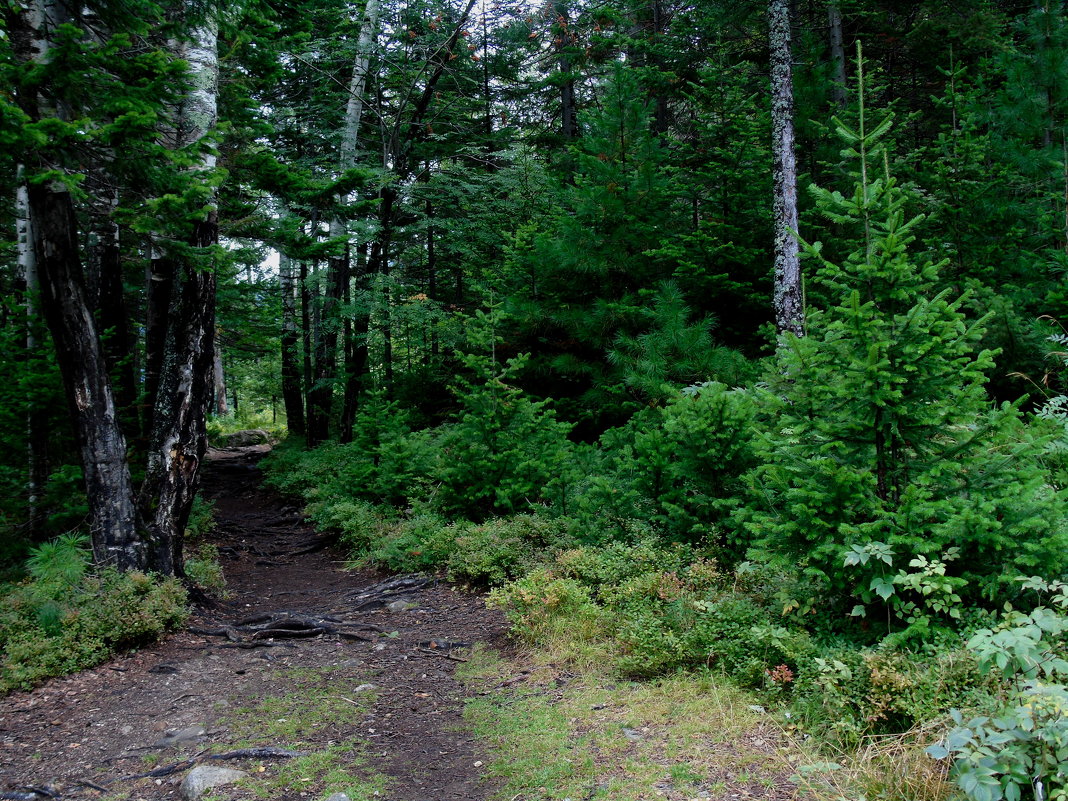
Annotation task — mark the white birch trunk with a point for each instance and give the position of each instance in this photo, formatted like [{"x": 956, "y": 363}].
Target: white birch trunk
[
  {"x": 179, "y": 437},
  {"x": 357, "y": 93}
]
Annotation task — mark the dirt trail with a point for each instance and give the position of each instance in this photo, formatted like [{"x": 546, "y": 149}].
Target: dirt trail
[{"x": 197, "y": 693}]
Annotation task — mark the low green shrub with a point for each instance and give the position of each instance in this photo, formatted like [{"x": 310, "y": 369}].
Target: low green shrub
[
  {"x": 422, "y": 541},
  {"x": 201, "y": 519},
  {"x": 203, "y": 568},
  {"x": 505, "y": 452},
  {"x": 539, "y": 602},
  {"x": 65, "y": 618},
  {"x": 490, "y": 553}
]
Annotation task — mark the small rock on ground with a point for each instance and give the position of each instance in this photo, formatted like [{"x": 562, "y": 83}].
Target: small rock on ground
[
  {"x": 204, "y": 777},
  {"x": 189, "y": 734}
]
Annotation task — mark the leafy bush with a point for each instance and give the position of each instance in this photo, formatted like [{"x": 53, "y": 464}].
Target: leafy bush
[
  {"x": 675, "y": 469},
  {"x": 422, "y": 541},
  {"x": 1023, "y": 746},
  {"x": 542, "y": 602},
  {"x": 65, "y": 618},
  {"x": 385, "y": 463}
]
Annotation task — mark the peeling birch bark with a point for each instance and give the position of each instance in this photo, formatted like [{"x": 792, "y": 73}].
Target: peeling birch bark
[{"x": 186, "y": 376}]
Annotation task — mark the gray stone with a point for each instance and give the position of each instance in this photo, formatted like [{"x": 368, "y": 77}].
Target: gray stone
[
  {"x": 190, "y": 734},
  {"x": 252, "y": 436},
  {"x": 339, "y": 797},
  {"x": 204, "y": 777},
  {"x": 401, "y": 606}
]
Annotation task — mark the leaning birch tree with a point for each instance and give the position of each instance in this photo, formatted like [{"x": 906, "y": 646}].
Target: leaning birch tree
[{"x": 51, "y": 224}]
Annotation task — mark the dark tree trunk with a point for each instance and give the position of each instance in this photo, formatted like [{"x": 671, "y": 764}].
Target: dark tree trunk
[
  {"x": 568, "y": 105},
  {"x": 113, "y": 319},
  {"x": 431, "y": 272},
  {"x": 380, "y": 266},
  {"x": 355, "y": 350},
  {"x": 661, "y": 112},
  {"x": 788, "y": 293},
  {"x": 158, "y": 291},
  {"x": 186, "y": 376},
  {"x": 37, "y": 462},
  {"x": 322, "y": 394},
  {"x": 179, "y": 437},
  {"x": 109, "y": 488},
  {"x": 834, "y": 24},
  {"x": 291, "y": 391}
]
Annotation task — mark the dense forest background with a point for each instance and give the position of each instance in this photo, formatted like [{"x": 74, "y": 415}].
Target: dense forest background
[{"x": 511, "y": 277}]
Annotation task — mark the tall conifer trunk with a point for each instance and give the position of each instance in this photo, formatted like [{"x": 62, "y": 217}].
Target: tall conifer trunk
[
  {"x": 788, "y": 295},
  {"x": 36, "y": 431},
  {"x": 838, "y": 65},
  {"x": 339, "y": 268},
  {"x": 306, "y": 352},
  {"x": 291, "y": 393},
  {"x": 562, "y": 40}
]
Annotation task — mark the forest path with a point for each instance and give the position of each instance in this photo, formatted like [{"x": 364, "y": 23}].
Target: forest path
[{"x": 373, "y": 704}]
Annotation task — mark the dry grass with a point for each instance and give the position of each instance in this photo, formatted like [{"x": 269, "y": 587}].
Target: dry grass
[
  {"x": 891, "y": 767},
  {"x": 563, "y": 732}
]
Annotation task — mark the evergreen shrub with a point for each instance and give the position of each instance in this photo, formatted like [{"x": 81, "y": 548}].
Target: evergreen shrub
[
  {"x": 884, "y": 472},
  {"x": 505, "y": 452}
]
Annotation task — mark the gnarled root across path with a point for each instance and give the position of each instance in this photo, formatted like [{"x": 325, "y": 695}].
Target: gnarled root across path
[{"x": 309, "y": 678}]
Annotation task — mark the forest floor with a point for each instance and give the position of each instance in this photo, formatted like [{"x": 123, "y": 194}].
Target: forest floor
[{"x": 316, "y": 680}]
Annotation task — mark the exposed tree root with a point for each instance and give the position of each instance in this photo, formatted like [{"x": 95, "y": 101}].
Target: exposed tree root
[{"x": 286, "y": 625}]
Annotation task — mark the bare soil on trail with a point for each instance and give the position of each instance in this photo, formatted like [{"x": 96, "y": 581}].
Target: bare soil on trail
[{"x": 78, "y": 736}]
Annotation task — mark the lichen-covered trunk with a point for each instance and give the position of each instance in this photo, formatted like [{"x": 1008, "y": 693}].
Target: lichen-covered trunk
[
  {"x": 178, "y": 438},
  {"x": 219, "y": 400},
  {"x": 788, "y": 293},
  {"x": 112, "y": 513},
  {"x": 49, "y": 255}
]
